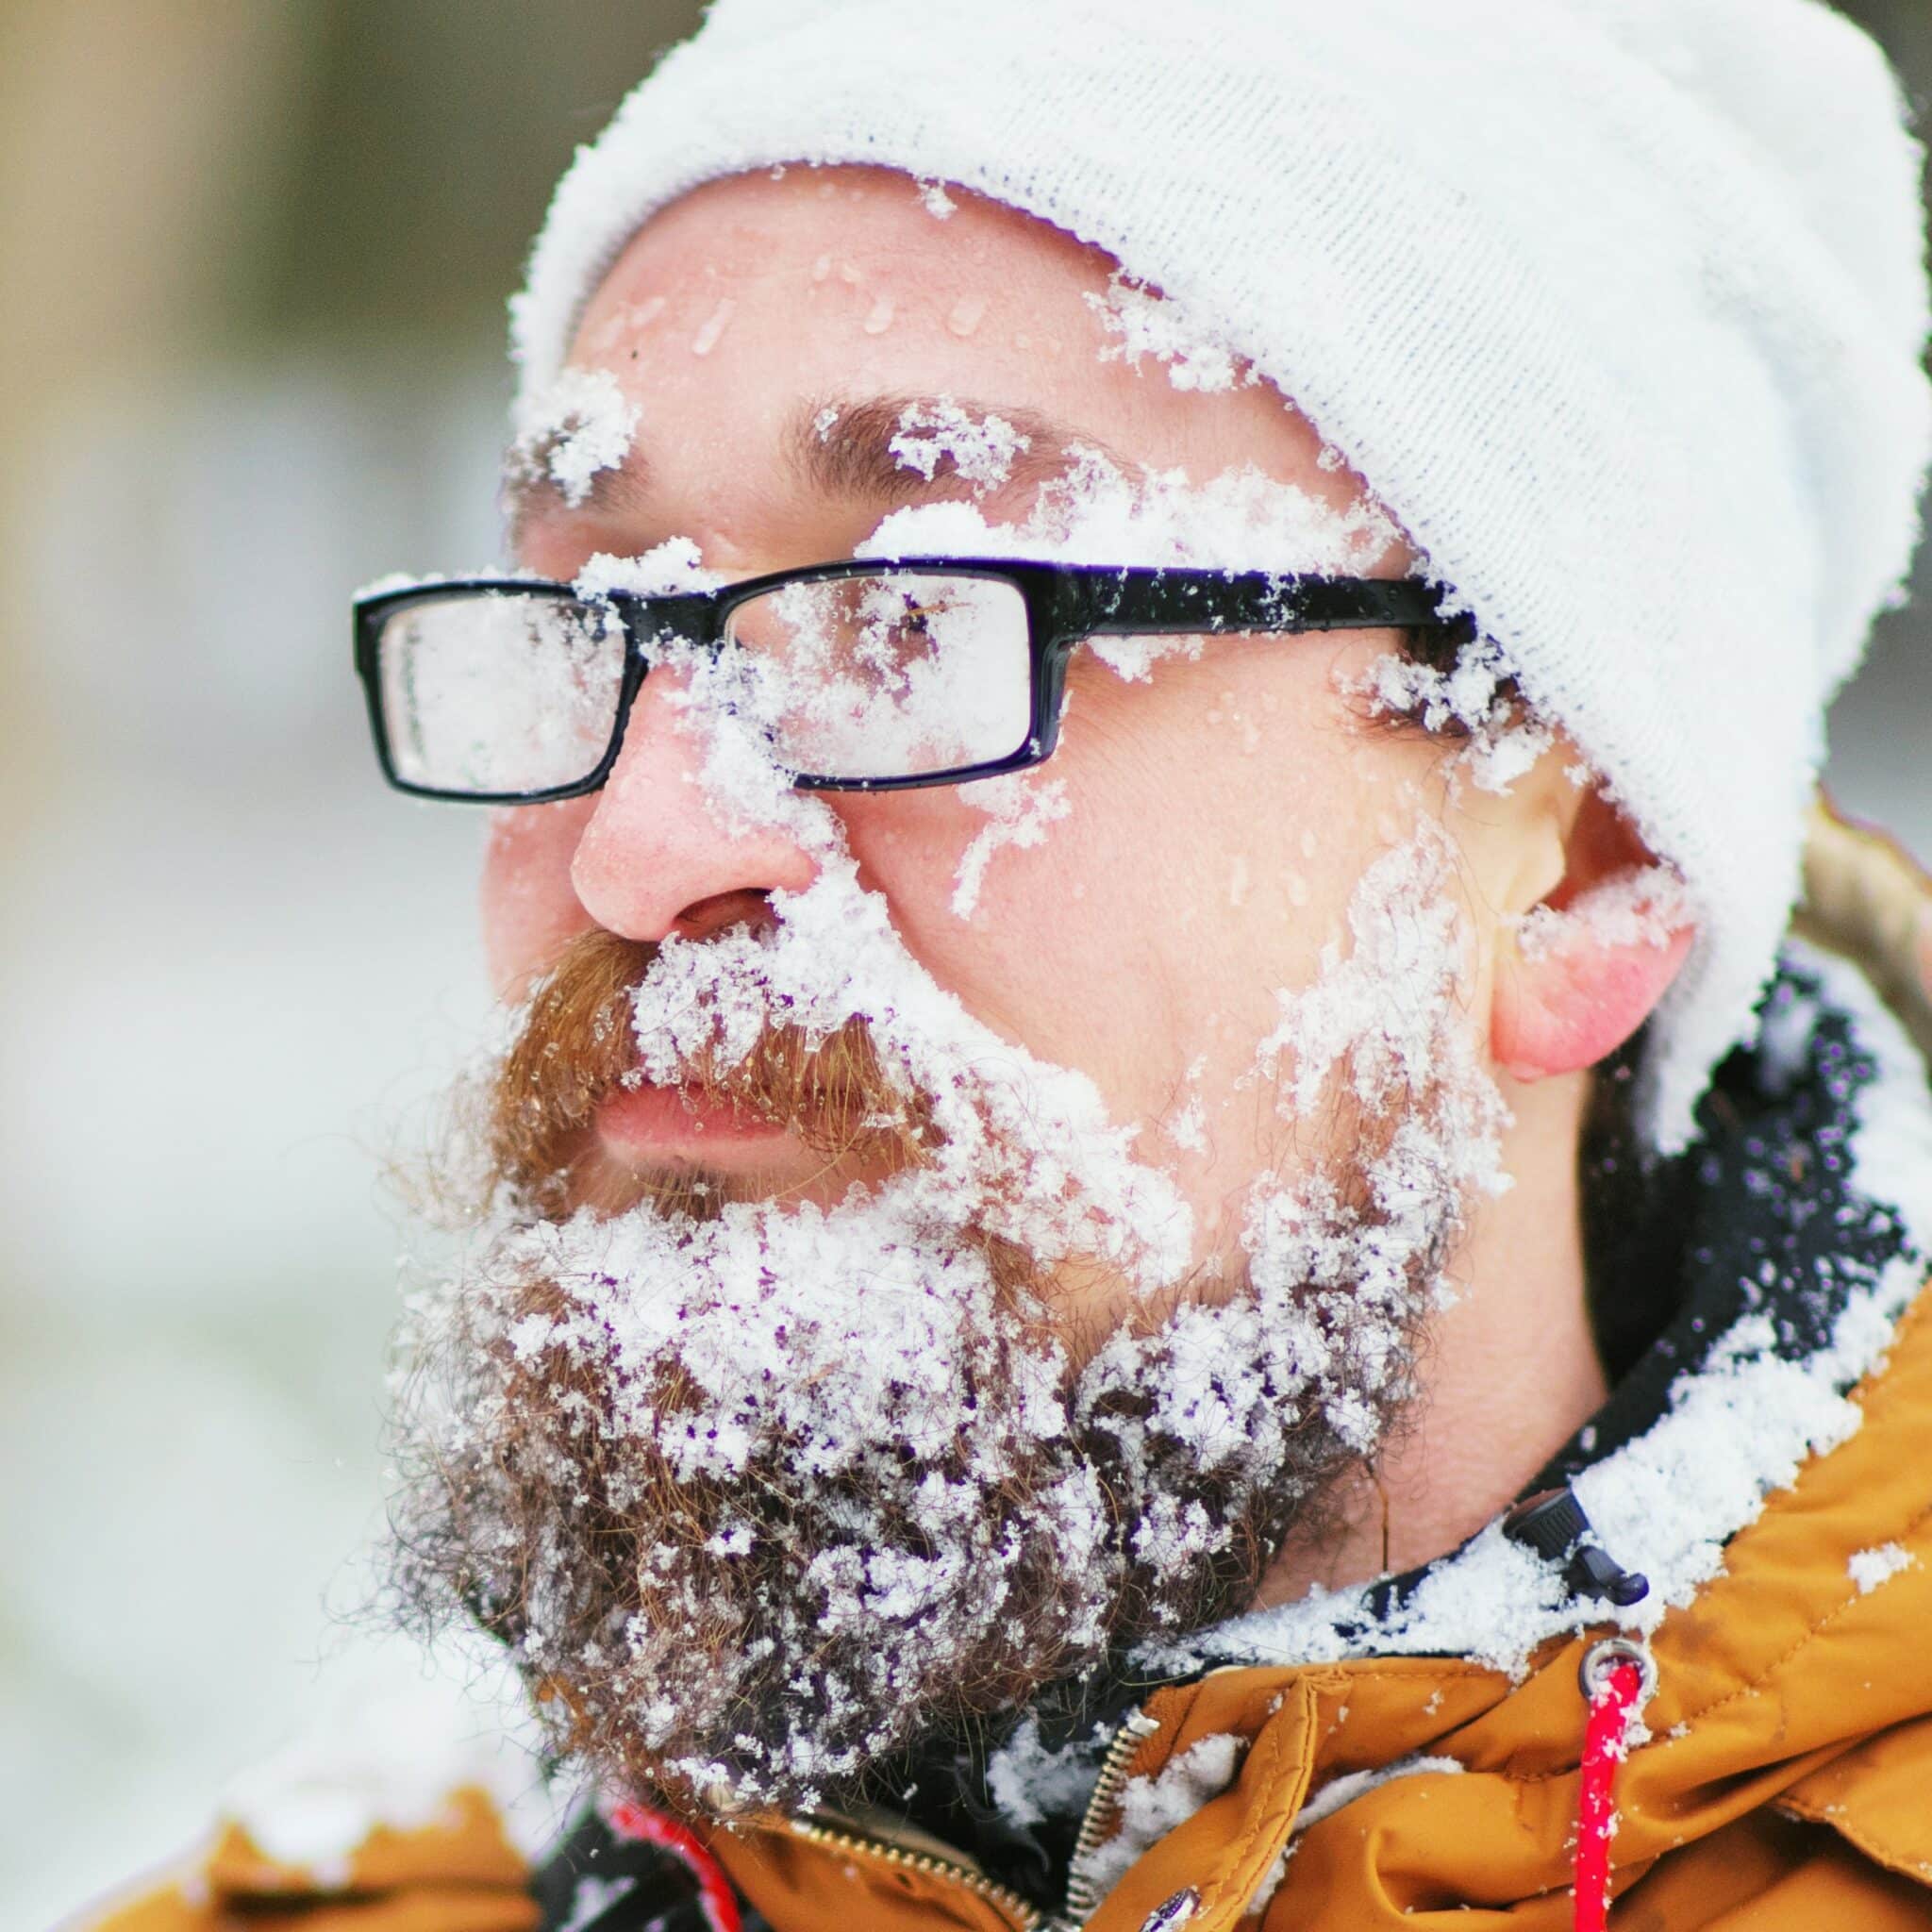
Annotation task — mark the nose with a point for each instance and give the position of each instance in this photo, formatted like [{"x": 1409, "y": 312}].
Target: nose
[{"x": 658, "y": 855}]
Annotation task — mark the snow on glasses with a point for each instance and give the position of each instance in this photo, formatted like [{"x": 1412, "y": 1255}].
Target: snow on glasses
[{"x": 859, "y": 676}]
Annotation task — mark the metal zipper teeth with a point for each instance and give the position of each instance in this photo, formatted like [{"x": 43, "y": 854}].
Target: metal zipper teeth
[
  {"x": 1026, "y": 1917},
  {"x": 1081, "y": 1897}
]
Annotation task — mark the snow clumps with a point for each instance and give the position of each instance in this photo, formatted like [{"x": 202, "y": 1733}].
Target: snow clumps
[
  {"x": 1870, "y": 1569},
  {"x": 1146, "y": 322},
  {"x": 1019, "y": 807},
  {"x": 1475, "y": 699},
  {"x": 582, "y": 423},
  {"x": 1647, "y": 905},
  {"x": 981, "y": 449},
  {"x": 1097, "y": 513}
]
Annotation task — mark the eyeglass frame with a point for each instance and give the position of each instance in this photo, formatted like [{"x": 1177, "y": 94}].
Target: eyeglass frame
[{"x": 1065, "y": 604}]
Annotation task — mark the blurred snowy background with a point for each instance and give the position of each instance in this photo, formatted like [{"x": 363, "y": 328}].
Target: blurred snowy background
[{"x": 252, "y": 327}]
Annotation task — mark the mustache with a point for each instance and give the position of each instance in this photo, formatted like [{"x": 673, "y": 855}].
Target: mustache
[{"x": 577, "y": 1047}]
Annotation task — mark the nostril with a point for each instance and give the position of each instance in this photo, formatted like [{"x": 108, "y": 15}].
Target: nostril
[{"x": 747, "y": 906}]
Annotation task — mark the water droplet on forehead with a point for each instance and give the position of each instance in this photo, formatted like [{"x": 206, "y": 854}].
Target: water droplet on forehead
[
  {"x": 880, "y": 317},
  {"x": 713, "y": 326},
  {"x": 966, "y": 315},
  {"x": 631, "y": 319},
  {"x": 822, "y": 268}
]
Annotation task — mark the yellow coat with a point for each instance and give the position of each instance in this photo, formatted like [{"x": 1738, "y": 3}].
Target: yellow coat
[{"x": 1787, "y": 1782}]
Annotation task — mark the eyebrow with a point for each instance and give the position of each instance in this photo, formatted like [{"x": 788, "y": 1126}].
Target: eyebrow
[
  {"x": 838, "y": 448},
  {"x": 844, "y": 448}
]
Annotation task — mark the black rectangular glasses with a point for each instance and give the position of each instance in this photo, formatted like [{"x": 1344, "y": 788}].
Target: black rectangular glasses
[{"x": 862, "y": 676}]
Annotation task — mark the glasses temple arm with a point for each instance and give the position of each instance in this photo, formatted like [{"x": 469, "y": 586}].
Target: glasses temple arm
[{"x": 1148, "y": 602}]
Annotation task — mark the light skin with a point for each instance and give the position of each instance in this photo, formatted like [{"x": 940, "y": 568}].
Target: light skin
[{"x": 1221, "y": 815}]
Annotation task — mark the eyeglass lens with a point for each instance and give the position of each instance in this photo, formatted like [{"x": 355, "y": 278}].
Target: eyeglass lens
[
  {"x": 895, "y": 676},
  {"x": 493, "y": 691}
]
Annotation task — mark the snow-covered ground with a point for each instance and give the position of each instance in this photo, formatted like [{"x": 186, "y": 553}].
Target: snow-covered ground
[{"x": 233, "y": 960}]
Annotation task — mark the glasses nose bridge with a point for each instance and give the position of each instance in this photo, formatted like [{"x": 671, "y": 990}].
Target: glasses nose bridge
[
  {"x": 652, "y": 623},
  {"x": 695, "y": 618},
  {"x": 692, "y": 619}
]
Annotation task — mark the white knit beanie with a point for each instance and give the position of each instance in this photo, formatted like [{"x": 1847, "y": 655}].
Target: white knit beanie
[{"x": 1617, "y": 305}]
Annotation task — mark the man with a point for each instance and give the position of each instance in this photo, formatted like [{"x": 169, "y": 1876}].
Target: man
[{"x": 1160, "y": 1240}]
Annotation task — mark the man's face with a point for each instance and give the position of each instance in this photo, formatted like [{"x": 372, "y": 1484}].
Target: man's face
[
  {"x": 1213, "y": 821},
  {"x": 1157, "y": 1102}
]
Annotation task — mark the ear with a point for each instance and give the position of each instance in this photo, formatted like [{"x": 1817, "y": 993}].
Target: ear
[{"x": 1584, "y": 970}]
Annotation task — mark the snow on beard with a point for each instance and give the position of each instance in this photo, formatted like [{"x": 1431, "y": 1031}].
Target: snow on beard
[{"x": 761, "y": 1492}]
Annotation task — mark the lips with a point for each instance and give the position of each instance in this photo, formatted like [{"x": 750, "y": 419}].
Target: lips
[{"x": 651, "y": 1121}]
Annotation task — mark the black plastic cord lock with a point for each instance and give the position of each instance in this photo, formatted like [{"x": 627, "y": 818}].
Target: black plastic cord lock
[{"x": 1552, "y": 1524}]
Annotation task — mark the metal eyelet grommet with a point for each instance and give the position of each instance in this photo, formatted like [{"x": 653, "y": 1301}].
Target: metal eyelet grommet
[
  {"x": 1171, "y": 1914},
  {"x": 1599, "y": 1659}
]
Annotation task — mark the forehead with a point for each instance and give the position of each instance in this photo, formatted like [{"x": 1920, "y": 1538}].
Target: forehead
[
  {"x": 840, "y": 269},
  {"x": 751, "y": 297}
]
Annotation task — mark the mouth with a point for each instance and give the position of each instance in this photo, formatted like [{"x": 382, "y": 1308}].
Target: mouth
[
  {"x": 576, "y": 1122},
  {"x": 649, "y": 1123}
]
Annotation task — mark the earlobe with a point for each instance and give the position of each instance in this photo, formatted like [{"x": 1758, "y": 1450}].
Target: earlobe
[{"x": 1575, "y": 980}]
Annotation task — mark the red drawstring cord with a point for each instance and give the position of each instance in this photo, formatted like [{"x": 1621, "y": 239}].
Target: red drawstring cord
[
  {"x": 715, "y": 1896},
  {"x": 1614, "y": 1681}
]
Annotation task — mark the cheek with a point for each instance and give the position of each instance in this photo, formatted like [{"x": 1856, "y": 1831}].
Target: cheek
[
  {"x": 1214, "y": 819},
  {"x": 1043, "y": 917},
  {"x": 1220, "y": 818},
  {"x": 529, "y": 905},
  {"x": 1109, "y": 946}
]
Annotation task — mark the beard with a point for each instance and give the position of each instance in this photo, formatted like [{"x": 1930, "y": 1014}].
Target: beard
[{"x": 760, "y": 1492}]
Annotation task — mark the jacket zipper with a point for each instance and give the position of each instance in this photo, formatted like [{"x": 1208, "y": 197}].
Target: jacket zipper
[
  {"x": 1025, "y": 1918},
  {"x": 1081, "y": 1899}
]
